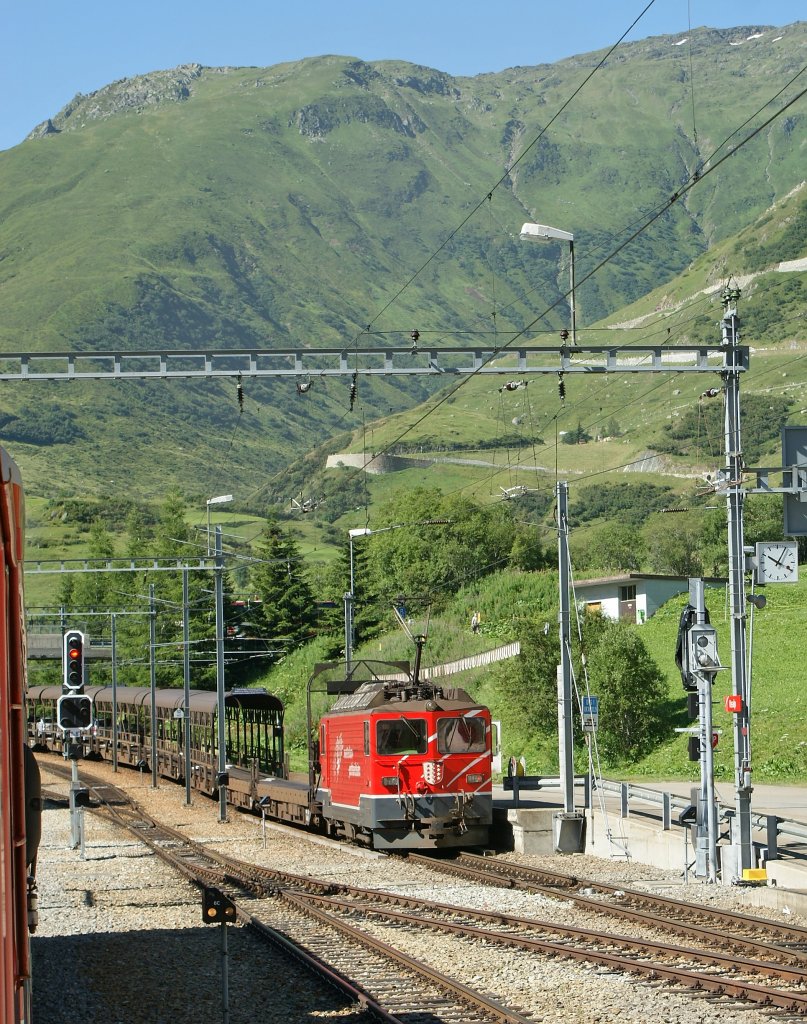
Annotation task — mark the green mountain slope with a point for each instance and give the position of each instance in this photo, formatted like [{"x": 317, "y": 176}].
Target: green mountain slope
[
  {"x": 657, "y": 428},
  {"x": 289, "y": 206}
]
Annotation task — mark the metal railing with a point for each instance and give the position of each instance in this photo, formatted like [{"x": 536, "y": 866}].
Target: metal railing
[{"x": 772, "y": 825}]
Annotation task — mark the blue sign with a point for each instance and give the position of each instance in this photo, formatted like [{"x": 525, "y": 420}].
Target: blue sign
[{"x": 591, "y": 713}]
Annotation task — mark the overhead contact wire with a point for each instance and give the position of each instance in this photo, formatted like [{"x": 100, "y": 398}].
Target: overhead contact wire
[{"x": 508, "y": 170}]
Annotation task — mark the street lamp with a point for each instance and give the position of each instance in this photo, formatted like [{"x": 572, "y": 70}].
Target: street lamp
[
  {"x": 221, "y": 500},
  {"x": 365, "y": 531},
  {"x": 361, "y": 531},
  {"x": 543, "y": 232}
]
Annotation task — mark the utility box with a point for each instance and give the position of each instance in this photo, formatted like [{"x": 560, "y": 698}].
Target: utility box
[{"x": 569, "y": 832}]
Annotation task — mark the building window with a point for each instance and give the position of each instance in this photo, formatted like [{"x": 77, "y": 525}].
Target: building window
[{"x": 627, "y": 593}]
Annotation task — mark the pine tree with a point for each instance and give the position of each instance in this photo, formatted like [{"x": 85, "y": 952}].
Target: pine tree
[{"x": 279, "y": 580}]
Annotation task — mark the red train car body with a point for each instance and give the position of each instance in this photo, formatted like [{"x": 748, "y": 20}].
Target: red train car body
[{"x": 19, "y": 789}]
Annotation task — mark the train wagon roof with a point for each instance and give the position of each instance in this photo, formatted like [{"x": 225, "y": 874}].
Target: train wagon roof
[
  {"x": 140, "y": 696},
  {"x": 37, "y": 693},
  {"x": 250, "y": 699}
]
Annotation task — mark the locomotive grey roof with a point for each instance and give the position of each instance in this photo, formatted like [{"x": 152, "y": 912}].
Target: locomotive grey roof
[{"x": 373, "y": 695}]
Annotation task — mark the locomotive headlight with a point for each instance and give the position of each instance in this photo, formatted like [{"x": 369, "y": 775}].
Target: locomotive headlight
[
  {"x": 390, "y": 780},
  {"x": 473, "y": 780}
]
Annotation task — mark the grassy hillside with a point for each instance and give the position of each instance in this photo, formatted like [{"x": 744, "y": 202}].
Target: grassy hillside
[
  {"x": 779, "y": 749},
  {"x": 289, "y": 206}
]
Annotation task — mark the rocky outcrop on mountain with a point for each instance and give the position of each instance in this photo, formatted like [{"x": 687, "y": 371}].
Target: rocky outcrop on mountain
[
  {"x": 45, "y": 128},
  {"x": 316, "y": 120},
  {"x": 172, "y": 86},
  {"x": 429, "y": 82}
]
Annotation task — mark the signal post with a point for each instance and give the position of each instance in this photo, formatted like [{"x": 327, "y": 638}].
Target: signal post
[
  {"x": 74, "y": 717},
  {"x": 700, "y": 663}
]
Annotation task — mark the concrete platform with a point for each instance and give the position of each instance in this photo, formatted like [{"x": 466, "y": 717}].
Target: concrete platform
[
  {"x": 529, "y": 828},
  {"x": 524, "y": 829}
]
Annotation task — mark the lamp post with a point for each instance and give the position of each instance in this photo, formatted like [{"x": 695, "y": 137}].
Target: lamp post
[
  {"x": 365, "y": 531},
  {"x": 543, "y": 232},
  {"x": 361, "y": 531},
  {"x": 221, "y": 500}
]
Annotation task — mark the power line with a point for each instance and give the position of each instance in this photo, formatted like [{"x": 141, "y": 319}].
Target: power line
[{"x": 507, "y": 172}]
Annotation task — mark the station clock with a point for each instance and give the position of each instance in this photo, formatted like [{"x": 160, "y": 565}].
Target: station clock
[{"x": 777, "y": 562}]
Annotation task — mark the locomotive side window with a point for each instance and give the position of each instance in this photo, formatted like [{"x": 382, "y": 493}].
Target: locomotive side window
[
  {"x": 460, "y": 735},
  {"x": 366, "y": 739},
  {"x": 401, "y": 736}
]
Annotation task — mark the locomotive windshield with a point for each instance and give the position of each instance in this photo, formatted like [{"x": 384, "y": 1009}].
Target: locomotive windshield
[
  {"x": 401, "y": 736},
  {"x": 460, "y": 735}
]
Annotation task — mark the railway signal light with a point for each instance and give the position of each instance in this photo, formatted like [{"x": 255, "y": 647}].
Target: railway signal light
[
  {"x": 216, "y": 907},
  {"x": 74, "y": 711},
  {"x": 703, "y": 647},
  {"x": 74, "y": 661},
  {"x": 694, "y": 745}
]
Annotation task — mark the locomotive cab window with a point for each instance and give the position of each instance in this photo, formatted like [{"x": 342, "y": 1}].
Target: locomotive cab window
[
  {"x": 401, "y": 736},
  {"x": 460, "y": 735}
]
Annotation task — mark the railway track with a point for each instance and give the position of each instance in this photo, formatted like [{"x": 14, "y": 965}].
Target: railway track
[
  {"x": 394, "y": 987},
  {"x": 718, "y": 929},
  {"x": 356, "y": 933}
]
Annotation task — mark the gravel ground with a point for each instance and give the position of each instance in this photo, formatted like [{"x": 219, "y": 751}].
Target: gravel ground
[{"x": 121, "y": 938}]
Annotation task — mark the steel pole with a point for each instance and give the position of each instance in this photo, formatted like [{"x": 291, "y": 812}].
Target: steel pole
[
  {"x": 348, "y": 629},
  {"x": 565, "y": 720},
  {"x": 706, "y": 853},
  {"x": 114, "y": 694},
  {"x": 153, "y": 682},
  {"x": 349, "y": 614},
  {"x": 225, "y": 976},
  {"x": 222, "y": 738},
  {"x": 571, "y": 293},
  {"x": 352, "y": 600},
  {"x": 741, "y": 840},
  {"x": 186, "y": 674}
]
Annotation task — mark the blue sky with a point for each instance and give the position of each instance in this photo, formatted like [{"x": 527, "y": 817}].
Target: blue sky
[{"x": 53, "y": 49}]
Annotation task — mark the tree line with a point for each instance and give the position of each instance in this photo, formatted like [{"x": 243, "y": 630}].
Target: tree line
[{"x": 421, "y": 550}]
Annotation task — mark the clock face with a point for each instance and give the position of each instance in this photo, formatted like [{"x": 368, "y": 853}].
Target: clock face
[{"x": 777, "y": 562}]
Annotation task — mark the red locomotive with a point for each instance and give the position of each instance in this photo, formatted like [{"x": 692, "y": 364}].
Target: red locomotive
[{"x": 401, "y": 763}]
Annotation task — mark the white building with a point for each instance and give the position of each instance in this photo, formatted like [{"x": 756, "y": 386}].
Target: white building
[{"x": 633, "y": 596}]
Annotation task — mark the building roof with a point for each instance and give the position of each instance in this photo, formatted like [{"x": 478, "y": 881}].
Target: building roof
[{"x": 632, "y": 577}]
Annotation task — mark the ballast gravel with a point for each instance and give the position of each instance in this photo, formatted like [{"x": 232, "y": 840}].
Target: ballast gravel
[{"x": 121, "y": 938}]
